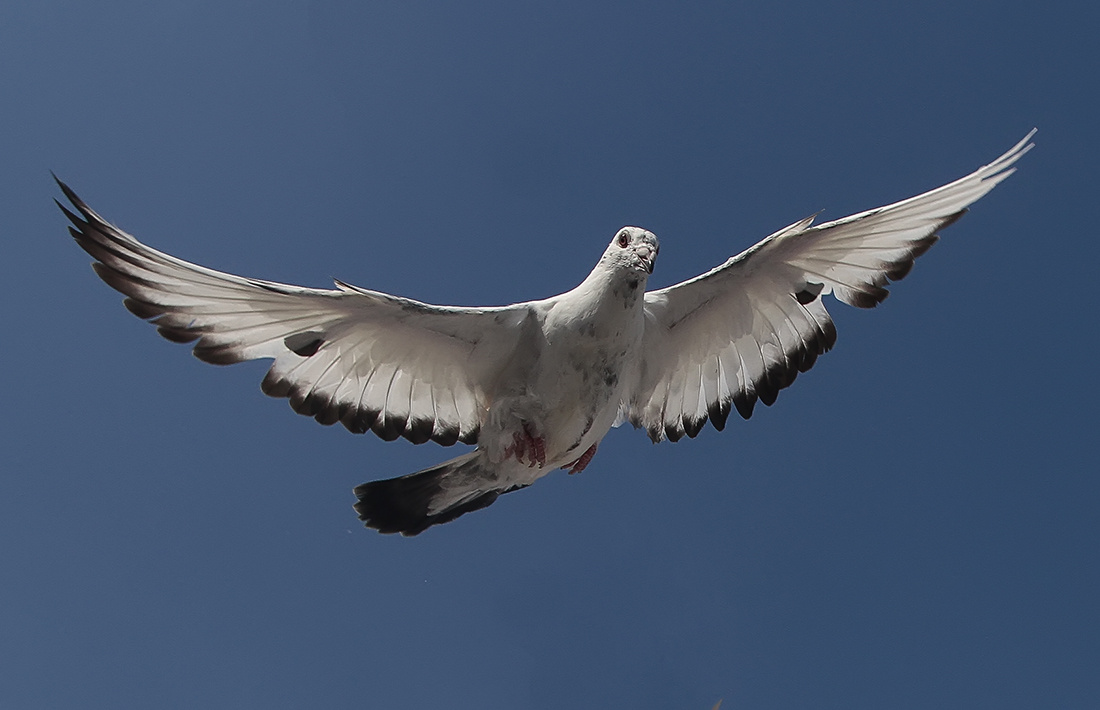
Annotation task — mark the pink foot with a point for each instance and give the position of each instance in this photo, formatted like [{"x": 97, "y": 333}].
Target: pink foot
[
  {"x": 581, "y": 463},
  {"x": 529, "y": 445}
]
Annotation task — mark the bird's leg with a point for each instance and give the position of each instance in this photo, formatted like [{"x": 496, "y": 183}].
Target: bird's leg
[
  {"x": 536, "y": 446},
  {"x": 580, "y": 464},
  {"x": 526, "y": 443},
  {"x": 516, "y": 447}
]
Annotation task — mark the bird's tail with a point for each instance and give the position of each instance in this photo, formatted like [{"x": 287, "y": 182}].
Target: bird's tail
[{"x": 411, "y": 504}]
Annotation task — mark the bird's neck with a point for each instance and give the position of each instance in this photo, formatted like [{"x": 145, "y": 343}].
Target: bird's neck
[{"x": 609, "y": 292}]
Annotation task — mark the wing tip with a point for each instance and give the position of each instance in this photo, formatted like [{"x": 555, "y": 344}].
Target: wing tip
[{"x": 79, "y": 204}]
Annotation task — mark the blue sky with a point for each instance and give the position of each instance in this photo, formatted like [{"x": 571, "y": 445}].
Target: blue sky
[{"x": 912, "y": 525}]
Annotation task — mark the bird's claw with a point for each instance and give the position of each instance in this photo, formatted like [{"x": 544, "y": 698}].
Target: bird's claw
[
  {"x": 526, "y": 444},
  {"x": 581, "y": 463}
]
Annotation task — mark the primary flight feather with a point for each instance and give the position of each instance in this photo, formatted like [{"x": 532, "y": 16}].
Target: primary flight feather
[{"x": 536, "y": 385}]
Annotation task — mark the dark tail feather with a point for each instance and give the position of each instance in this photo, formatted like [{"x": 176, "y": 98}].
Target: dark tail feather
[{"x": 411, "y": 504}]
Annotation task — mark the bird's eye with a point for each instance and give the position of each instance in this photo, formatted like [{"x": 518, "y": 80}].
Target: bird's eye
[{"x": 624, "y": 239}]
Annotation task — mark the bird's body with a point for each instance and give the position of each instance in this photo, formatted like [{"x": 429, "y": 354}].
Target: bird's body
[
  {"x": 536, "y": 385},
  {"x": 569, "y": 383},
  {"x": 555, "y": 398}
]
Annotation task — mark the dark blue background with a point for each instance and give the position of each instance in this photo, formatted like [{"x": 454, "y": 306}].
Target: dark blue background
[{"x": 912, "y": 525}]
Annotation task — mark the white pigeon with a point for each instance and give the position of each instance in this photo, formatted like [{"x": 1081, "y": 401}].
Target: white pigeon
[{"x": 536, "y": 385}]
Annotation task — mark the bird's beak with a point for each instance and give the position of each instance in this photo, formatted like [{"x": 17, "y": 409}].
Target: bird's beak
[{"x": 648, "y": 257}]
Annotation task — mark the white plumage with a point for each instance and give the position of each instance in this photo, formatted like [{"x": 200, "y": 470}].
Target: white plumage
[{"x": 536, "y": 385}]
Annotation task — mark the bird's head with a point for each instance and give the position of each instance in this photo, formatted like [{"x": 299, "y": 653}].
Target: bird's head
[{"x": 634, "y": 249}]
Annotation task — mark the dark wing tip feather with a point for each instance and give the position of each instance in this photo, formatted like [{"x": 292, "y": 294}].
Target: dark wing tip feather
[
  {"x": 767, "y": 392},
  {"x": 388, "y": 429},
  {"x": 143, "y": 309},
  {"x": 305, "y": 401},
  {"x": 328, "y": 416},
  {"x": 806, "y": 358},
  {"x": 78, "y": 222},
  {"x": 950, "y": 220},
  {"x": 809, "y": 292},
  {"x": 692, "y": 426},
  {"x": 70, "y": 196},
  {"x": 177, "y": 335},
  {"x": 899, "y": 269},
  {"x": 784, "y": 374},
  {"x": 273, "y": 385},
  {"x": 87, "y": 217},
  {"x": 744, "y": 403},
  {"x": 118, "y": 281},
  {"x": 447, "y": 436},
  {"x": 305, "y": 344},
  {"x": 358, "y": 420},
  {"x": 216, "y": 354},
  {"x": 868, "y": 296},
  {"x": 719, "y": 412},
  {"x": 419, "y": 431},
  {"x": 923, "y": 245}
]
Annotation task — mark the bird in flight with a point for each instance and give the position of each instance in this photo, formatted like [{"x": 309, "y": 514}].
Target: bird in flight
[{"x": 535, "y": 386}]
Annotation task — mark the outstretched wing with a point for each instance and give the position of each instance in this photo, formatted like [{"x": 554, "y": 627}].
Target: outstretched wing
[
  {"x": 743, "y": 331},
  {"x": 366, "y": 359}
]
